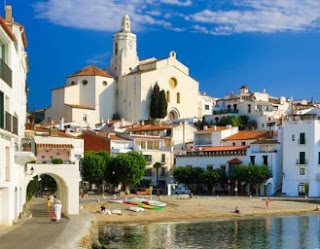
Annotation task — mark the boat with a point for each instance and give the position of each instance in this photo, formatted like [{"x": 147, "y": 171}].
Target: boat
[
  {"x": 149, "y": 202},
  {"x": 136, "y": 209}
]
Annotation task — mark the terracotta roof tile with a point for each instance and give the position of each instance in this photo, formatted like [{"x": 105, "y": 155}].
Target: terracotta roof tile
[
  {"x": 55, "y": 146},
  {"x": 266, "y": 141},
  {"x": 212, "y": 129},
  {"x": 221, "y": 148},
  {"x": 80, "y": 107},
  {"x": 5, "y": 26},
  {"x": 248, "y": 135},
  {"x": 93, "y": 142},
  {"x": 150, "y": 127},
  {"x": 91, "y": 71}
]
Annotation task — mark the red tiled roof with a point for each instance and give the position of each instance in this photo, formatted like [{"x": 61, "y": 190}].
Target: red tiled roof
[
  {"x": 266, "y": 141},
  {"x": 55, "y": 146},
  {"x": 110, "y": 136},
  {"x": 212, "y": 129},
  {"x": 90, "y": 71},
  {"x": 6, "y": 28},
  {"x": 93, "y": 142},
  {"x": 150, "y": 127},
  {"x": 248, "y": 135},
  {"x": 221, "y": 148},
  {"x": 235, "y": 161},
  {"x": 80, "y": 107}
]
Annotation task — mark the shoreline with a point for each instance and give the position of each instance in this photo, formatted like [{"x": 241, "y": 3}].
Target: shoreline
[
  {"x": 225, "y": 217},
  {"x": 202, "y": 209}
]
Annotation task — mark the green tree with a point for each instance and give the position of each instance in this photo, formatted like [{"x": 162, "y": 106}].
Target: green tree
[
  {"x": 157, "y": 166},
  {"x": 211, "y": 178},
  {"x": 94, "y": 165},
  {"x": 155, "y": 100},
  {"x": 256, "y": 175},
  {"x": 239, "y": 172},
  {"x": 32, "y": 188},
  {"x": 188, "y": 175},
  {"x": 163, "y": 105},
  {"x": 127, "y": 169}
]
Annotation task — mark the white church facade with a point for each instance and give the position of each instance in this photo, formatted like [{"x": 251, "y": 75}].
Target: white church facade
[{"x": 93, "y": 95}]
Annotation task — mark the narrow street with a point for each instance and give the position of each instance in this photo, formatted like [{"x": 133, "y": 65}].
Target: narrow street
[{"x": 36, "y": 233}]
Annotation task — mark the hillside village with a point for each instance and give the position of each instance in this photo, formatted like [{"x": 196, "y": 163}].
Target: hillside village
[{"x": 110, "y": 110}]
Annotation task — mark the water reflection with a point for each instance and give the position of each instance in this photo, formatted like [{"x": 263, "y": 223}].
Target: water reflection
[{"x": 292, "y": 232}]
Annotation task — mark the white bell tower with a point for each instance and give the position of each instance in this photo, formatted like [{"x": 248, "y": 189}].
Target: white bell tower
[{"x": 124, "y": 56}]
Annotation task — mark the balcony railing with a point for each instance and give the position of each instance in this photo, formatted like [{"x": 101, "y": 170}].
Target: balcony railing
[
  {"x": 5, "y": 73},
  {"x": 11, "y": 123},
  {"x": 302, "y": 162},
  {"x": 225, "y": 111}
]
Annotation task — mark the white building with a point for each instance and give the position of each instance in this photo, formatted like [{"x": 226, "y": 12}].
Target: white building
[
  {"x": 266, "y": 110},
  {"x": 301, "y": 155},
  {"x": 13, "y": 97},
  {"x": 92, "y": 95},
  {"x": 206, "y": 104}
]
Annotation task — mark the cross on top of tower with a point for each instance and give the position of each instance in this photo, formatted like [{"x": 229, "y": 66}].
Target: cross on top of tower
[{"x": 126, "y": 25}]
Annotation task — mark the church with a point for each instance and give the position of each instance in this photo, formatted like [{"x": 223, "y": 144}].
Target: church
[{"x": 93, "y": 95}]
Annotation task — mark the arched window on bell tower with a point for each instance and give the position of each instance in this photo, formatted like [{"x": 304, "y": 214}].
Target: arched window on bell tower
[{"x": 168, "y": 96}]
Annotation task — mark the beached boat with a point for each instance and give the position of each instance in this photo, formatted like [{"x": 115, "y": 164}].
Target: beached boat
[{"x": 149, "y": 202}]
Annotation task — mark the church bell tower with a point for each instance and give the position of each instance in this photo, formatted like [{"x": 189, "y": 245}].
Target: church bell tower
[{"x": 124, "y": 56}]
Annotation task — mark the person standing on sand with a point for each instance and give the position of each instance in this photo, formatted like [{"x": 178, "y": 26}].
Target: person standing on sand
[
  {"x": 49, "y": 205},
  {"x": 57, "y": 210},
  {"x": 268, "y": 200}
]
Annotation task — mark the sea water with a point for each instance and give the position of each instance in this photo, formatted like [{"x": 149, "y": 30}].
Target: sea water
[{"x": 287, "y": 232}]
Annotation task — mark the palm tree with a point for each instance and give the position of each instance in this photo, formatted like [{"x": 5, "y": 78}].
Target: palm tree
[{"x": 156, "y": 166}]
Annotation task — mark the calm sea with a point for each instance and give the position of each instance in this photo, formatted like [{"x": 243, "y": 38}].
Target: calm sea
[{"x": 287, "y": 232}]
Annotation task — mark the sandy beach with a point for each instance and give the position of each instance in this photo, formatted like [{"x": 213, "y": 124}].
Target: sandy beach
[{"x": 179, "y": 209}]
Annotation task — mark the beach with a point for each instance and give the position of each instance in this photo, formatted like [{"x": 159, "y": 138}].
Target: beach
[{"x": 199, "y": 208}]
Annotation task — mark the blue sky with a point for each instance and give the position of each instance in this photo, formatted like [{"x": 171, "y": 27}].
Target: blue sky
[{"x": 271, "y": 44}]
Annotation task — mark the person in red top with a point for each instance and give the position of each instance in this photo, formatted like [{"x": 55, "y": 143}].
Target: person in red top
[{"x": 268, "y": 200}]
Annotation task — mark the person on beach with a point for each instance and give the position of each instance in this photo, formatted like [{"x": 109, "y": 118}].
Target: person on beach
[
  {"x": 57, "y": 210},
  {"x": 268, "y": 200},
  {"x": 51, "y": 197},
  {"x": 237, "y": 211},
  {"x": 103, "y": 208}
]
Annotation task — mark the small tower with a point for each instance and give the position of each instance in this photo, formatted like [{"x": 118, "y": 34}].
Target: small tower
[{"x": 124, "y": 57}]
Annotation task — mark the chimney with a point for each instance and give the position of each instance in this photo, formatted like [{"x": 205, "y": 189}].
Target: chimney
[
  {"x": 8, "y": 14},
  {"x": 61, "y": 125}
]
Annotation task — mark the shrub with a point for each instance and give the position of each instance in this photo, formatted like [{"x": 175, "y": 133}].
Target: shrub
[{"x": 56, "y": 161}]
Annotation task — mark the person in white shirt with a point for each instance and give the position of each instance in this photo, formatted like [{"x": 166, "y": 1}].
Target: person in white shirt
[{"x": 57, "y": 210}]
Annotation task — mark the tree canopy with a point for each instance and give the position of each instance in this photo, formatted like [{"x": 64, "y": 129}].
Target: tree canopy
[{"x": 94, "y": 165}]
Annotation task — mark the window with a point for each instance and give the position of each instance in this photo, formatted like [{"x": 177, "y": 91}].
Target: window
[
  {"x": 293, "y": 137},
  {"x": 84, "y": 82},
  {"x": 249, "y": 108},
  {"x": 73, "y": 83},
  {"x": 252, "y": 159},
  {"x": 243, "y": 143},
  {"x": 168, "y": 96},
  {"x": 1, "y": 110},
  {"x": 302, "y": 139},
  {"x": 178, "y": 98},
  {"x": 206, "y": 107},
  {"x": 84, "y": 117},
  {"x": 223, "y": 168},
  {"x": 163, "y": 158},
  {"x": 210, "y": 166},
  {"x": 173, "y": 82},
  {"x": 302, "y": 158},
  {"x": 318, "y": 157},
  {"x": 265, "y": 160},
  {"x": 148, "y": 158},
  {"x": 302, "y": 189},
  {"x": 116, "y": 49},
  {"x": 163, "y": 171},
  {"x": 105, "y": 83},
  {"x": 233, "y": 144},
  {"x": 302, "y": 171}
]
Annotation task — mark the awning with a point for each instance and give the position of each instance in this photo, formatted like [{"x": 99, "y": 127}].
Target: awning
[{"x": 55, "y": 146}]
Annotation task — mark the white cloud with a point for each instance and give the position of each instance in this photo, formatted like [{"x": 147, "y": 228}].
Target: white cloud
[
  {"x": 96, "y": 14},
  {"x": 266, "y": 16},
  {"x": 216, "y": 17},
  {"x": 177, "y": 2}
]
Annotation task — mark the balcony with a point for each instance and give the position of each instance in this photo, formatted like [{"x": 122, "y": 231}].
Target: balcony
[
  {"x": 5, "y": 73},
  {"x": 10, "y": 123},
  {"x": 226, "y": 111},
  {"x": 301, "y": 162}
]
